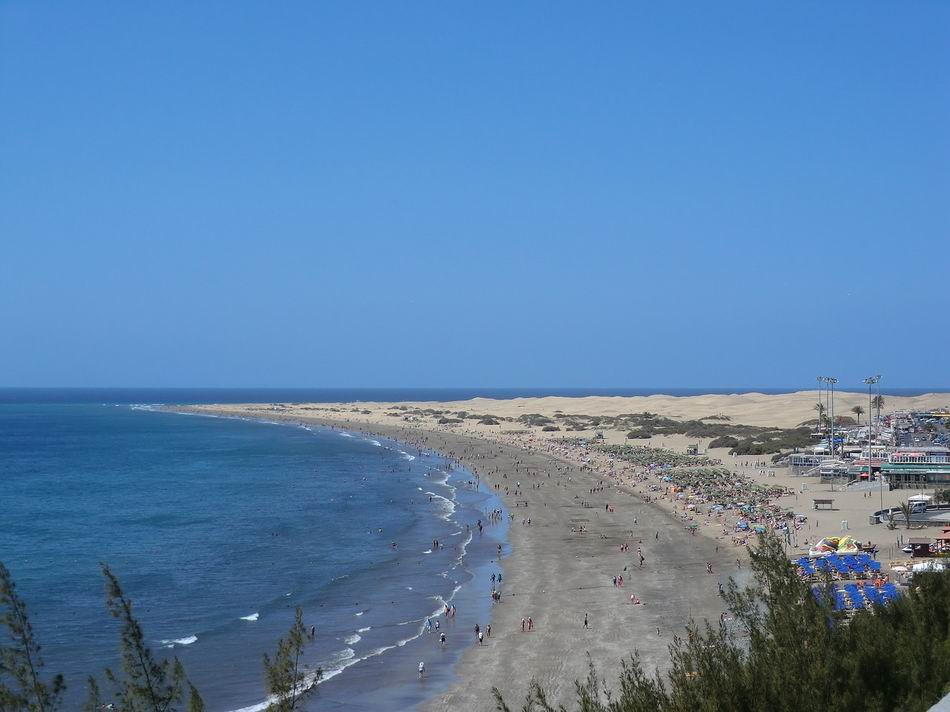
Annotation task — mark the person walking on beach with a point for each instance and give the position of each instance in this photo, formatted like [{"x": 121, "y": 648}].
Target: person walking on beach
[
  {"x": 586, "y": 624},
  {"x": 442, "y": 639},
  {"x": 422, "y": 669},
  {"x": 488, "y": 630},
  {"x": 481, "y": 638}
]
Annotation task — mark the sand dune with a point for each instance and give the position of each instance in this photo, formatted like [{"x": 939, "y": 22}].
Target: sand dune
[{"x": 784, "y": 410}]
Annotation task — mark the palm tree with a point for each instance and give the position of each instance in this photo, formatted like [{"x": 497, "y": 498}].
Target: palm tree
[
  {"x": 905, "y": 511},
  {"x": 858, "y": 411},
  {"x": 820, "y": 407},
  {"x": 878, "y": 403}
]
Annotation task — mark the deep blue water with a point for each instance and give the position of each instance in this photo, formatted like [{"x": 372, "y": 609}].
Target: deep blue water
[
  {"x": 218, "y": 528},
  {"x": 346, "y": 395}
]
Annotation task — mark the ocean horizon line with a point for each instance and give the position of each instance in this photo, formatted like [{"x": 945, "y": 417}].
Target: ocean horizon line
[{"x": 219, "y": 394}]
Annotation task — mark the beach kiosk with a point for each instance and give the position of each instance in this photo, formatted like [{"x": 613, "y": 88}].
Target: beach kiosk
[
  {"x": 919, "y": 547},
  {"x": 821, "y": 503}
]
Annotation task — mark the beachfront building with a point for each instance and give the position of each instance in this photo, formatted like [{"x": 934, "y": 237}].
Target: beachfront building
[
  {"x": 921, "y": 467},
  {"x": 807, "y": 463},
  {"x": 834, "y": 470}
]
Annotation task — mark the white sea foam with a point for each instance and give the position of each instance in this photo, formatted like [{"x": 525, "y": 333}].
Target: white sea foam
[
  {"x": 344, "y": 658},
  {"x": 427, "y": 551},
  {"x": 179, "y": 641},
  {"x": 353, "y": 639},
  {"x": 345, "y": 434},
  {"x": 448, "y": 506},
  {"x": 252, "y": 617},
  {"x": 363, "y": 630},
  {"x": 376, "y": 443},
  {"x": 407, "y": 456},
  {"x": 360, "y": 613}
]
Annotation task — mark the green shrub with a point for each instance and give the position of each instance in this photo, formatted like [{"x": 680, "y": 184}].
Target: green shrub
[{"x": 641, "y": 434}]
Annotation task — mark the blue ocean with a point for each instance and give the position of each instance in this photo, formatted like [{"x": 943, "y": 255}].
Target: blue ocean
[{"x": 219, "y": 528}]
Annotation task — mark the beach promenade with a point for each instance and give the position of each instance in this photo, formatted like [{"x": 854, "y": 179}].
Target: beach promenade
[{"x": 557, "y": 576}]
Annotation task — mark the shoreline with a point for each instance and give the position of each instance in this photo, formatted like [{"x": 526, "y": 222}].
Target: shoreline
[
  {"x": 556, "y": 577},
  {"x": 338, "y": 689}
]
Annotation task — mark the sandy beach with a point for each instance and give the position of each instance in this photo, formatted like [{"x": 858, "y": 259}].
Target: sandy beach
[{"x": 583, "y": 505}]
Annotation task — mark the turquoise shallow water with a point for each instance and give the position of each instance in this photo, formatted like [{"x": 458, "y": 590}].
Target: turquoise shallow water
[{"x": 218, "y": 528}]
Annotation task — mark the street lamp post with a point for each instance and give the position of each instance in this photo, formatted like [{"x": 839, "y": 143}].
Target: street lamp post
[
  {"x": 820, "y": 404},
  {"x": 833, "y": 381}
]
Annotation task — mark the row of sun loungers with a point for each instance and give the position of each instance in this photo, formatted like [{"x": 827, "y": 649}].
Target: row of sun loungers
[
  {"x": 846, "y": 567},
  {"x": 854, "y": 597}
]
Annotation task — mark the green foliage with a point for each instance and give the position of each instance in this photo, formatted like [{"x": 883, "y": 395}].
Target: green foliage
[
  {"x": 144, "y": 684},
  {"x": 289, "y": 681},
  {"x": 906, "y": 513},
  {"x": 877, "y": 403},
  {"x": 725, "y": 441},
  {"x": 774, "y": 441},
  {"x": 640, "y": 434},
  {"x": 786, "y": 650},
  {"x": 535, "y": 419},
  {"x": 22, "y": 687},
  {"x": 195, "y": 703}
]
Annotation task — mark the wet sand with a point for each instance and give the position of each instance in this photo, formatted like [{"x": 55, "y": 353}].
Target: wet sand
[{"x": 556, "y": 577}]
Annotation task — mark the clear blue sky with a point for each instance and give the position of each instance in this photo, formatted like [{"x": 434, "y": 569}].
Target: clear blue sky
[{"x": 496, "y": 194}]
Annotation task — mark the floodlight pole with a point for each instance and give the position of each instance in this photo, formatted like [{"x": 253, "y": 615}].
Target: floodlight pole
[{"x": 831, "y": 383}]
